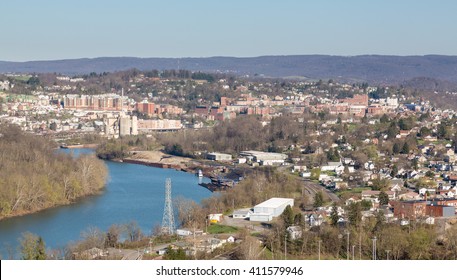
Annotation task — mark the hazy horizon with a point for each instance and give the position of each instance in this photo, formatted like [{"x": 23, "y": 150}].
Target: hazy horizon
[
  {"x": 226, "y": 56},
  {"x": 55, "y": 30}
]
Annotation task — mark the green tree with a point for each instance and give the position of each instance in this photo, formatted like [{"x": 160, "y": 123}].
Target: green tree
[
  {"x": 334, "y": 216},
  {"x": 396, "y": 148},
  {"x": 332, "y": 155},
  {"x": 425, "y": 131},
  {"x": 383, "y": 198},
  {"x": 406, "y": 123},
  {"x": 443, "y": 132},
  {"x": 172, "y": 254},
  {"x": 315, "y": 173},
  {"x": 288, "y": 216},
  {"x": 392, "y": 131},
  {"x": 384, "y": 119},
  {"x": 318, "y": 199},
  {"x": 355, "y": 214},
  {"x": 405, "y": 149},
  {"x": 394, "y": 171},
  {"x": 32, "y": 247}
]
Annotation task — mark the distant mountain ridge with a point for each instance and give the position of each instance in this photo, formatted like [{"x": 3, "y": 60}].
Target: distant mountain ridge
[{"x": 363, "y": 68}]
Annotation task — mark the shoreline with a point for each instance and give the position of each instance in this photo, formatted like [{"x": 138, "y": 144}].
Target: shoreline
[
  {"x": 79, "y": 146},
  {"x": 99, "y": 192}
]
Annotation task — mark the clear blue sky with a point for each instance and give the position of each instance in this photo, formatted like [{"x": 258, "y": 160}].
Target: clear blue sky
[{"x": 58, "y": 29}]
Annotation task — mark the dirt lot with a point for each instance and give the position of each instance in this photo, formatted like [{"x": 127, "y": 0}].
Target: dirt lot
[{"x": 158, "y": 157}]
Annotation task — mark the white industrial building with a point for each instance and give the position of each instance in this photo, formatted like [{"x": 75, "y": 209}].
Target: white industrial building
[
  {"x": 242, "y": 213},
  {"x": 267, "y": 210},
  {"x": 265, "y": 158},
  {"x": 219, "y": 156}
]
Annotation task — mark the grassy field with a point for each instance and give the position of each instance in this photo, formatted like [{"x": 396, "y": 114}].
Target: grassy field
[
  {"x": 351, "y": 192},
  {"x": 22, "y": 78},
  {"x": 216, "y": 229}
]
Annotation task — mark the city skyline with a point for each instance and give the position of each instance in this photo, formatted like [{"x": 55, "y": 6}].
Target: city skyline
[{"x": 51, "y": 30}]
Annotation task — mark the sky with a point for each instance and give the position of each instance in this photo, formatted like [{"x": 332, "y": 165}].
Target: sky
[{"x": 62, "y": 29}]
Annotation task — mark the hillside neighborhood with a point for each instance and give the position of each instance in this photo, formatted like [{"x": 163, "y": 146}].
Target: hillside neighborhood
[{"x": 355, "y": 154}]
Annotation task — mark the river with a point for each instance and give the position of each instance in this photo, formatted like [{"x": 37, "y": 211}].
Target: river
[{"x": 133, "y": 193}]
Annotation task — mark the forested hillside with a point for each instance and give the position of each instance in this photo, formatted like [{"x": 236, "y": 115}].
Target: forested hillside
[{"x": 34, "y": 176}]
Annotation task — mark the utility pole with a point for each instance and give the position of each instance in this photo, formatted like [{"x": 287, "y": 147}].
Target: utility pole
[
  {"x": 387, "y": 251},
  {"x": 374, "y": 248},
  {"x": 360, "y": 246},
  {"x": 320, "y": 249},
  {"x": 347, "y": 245},
  {"x": 353, "y": 249},
  {"x": 285, "y": 246}
]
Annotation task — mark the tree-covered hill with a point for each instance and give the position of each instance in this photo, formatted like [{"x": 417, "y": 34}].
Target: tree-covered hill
[{"x": 33, "y": 176}]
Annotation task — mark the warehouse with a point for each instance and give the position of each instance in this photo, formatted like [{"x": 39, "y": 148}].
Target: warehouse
[
  {"x": 265, "y": 158},
  {"x": 219, "y": 156},
  {"x": 267, "y": 210}
]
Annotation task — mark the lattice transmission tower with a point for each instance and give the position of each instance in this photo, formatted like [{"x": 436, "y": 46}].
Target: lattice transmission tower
[{"x": 168, "y": 220}]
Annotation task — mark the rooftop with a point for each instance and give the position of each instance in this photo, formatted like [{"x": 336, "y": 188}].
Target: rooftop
[{"x": 275, "y": 202}]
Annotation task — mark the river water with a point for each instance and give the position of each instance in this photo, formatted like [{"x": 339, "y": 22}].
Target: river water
[{"x": 133, "y": 193}]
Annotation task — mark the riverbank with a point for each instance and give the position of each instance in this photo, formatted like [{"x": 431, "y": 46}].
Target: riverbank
[
  {"x": 74, "y": 201},
  {"x": 79, "y": 146},
  {"x": 166, "y": 161},
  {"x": 162, "y": 160}
]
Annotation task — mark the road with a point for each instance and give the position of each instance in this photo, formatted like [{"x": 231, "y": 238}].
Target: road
[{"x": 125, "y": 254}]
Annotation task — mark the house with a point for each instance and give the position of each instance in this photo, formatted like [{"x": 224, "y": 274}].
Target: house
[
  {"x": 230, "y": 239},
  {"x": 183, "y": 232},
  {"x": 388, "y": 214},
  {"x": 295, "y": 232},
  {"x": 369, "y": 165},
  {"x": 90, "y": 254},
  {"x": 373, "y": 196},
  {"x": 215, "y": 218},
  {"x": 430, "y": 221},
  {"x": 430, "y": 138},
  {"x": 351, "y": 200},
  {"x": 421, "y": 159},
  {"x": 299, "y": 168},
  {"x": 396, "y": 185},
  {"x": 409, "y": 196},
  {"x": 423, "y": 191},
  {"x": 341, "y": 185},
  {"x": 241, "y": 160},
  {"x": 314, "y": 219},
  {"x": 211, "y": 244},
  {"x": 242, "y": 213},
  {"x": 333, "y": 166}
]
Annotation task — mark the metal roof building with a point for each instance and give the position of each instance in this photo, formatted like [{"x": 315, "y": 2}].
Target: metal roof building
[{"x": 271, "y": 208}]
